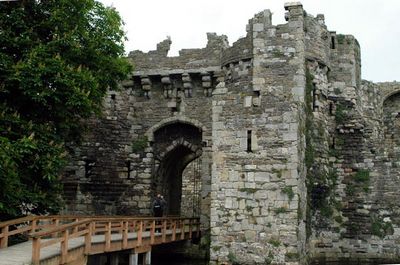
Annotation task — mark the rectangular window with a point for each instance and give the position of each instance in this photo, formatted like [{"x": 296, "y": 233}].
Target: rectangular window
[
  {"x": 333, "y": 46},
  {"x": 128, "y": 166},
  {"x": 249, "y": 141}
]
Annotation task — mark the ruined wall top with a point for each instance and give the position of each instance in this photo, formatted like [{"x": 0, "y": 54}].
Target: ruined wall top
[
  {"x": 320, "y": 44},
  {"x": 208, "y": 57}
]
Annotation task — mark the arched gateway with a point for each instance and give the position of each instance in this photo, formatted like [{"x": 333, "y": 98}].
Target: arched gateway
[{"x": 175, "y": 146}]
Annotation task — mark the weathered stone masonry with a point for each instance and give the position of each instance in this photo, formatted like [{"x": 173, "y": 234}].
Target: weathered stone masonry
[{"x": 276, "y": 141}]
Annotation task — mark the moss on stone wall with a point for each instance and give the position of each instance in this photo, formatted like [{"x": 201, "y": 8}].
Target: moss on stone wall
[
  {"x": 139, "y": 144},
  {"x": 340, "y": 114}
]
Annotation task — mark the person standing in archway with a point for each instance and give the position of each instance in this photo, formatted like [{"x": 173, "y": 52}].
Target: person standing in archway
[{"x": 158, "y": 207}]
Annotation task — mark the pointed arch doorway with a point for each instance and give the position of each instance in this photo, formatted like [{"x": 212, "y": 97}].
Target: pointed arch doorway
[{"x": 177, "y": 151}]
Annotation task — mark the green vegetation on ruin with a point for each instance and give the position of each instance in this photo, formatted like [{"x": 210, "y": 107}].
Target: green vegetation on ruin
[
  {"x": 289, "y": 192},
  {"x": 139, "y": 144}
]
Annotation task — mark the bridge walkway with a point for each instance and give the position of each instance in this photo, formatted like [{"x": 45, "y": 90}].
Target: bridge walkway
[{"x": 71, "y": 239}]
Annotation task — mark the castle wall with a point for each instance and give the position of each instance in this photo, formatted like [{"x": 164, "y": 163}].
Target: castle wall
[
  {"x": 296, "y": 158},
  {"x": 354, "y": 217}
]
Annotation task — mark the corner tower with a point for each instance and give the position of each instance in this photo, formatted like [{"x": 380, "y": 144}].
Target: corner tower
[{"x": 258, "y": 177}]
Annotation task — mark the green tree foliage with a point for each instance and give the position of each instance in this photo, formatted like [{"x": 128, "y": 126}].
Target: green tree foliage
[{"x": 57, "y": 60}]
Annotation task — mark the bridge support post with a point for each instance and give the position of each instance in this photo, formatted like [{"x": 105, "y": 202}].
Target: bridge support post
[
  {"x": 147, "y": 258},
  {"x": 133, "y": 259},
  {"x": 114, "y": 259}
]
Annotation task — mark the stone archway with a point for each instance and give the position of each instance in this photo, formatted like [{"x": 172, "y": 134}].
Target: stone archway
[
  {"x": 391, "y": 119},
  {"x": 175, "y": 146}
]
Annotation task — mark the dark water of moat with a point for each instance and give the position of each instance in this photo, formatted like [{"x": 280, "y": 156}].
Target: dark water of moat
[
  {"x": 178, "y": 262},
  {"x": 203, "y": 262},
  {"x": 168, "y": 257}
]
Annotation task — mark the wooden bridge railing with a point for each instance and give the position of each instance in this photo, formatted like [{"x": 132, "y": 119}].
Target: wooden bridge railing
[
  {"x": 31, "y": 224},
  {"x": 51, "y": 230}
]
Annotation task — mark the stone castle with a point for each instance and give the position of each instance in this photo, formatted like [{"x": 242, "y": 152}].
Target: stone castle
[{"x": 276, "y": 142}]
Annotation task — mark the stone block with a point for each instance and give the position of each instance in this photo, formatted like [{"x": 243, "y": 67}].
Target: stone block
[
  {"x": 166, "y": 80},
  {"x": 250, "y": 236},
  {"x": 261, "y": 177},
  {"x": 290, "y": 136},
  {"x": 187, "y": 85},
  {"x": 258, "y": 27},
  {"x": 248, "y": 101}
]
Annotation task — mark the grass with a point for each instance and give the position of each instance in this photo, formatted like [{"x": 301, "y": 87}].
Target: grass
[
  {"x": 232, "y": 258},
  {"x": 289, "y": 192},
  {"x": 280, "y": 210},
  {"x": 274, "y": 242}
]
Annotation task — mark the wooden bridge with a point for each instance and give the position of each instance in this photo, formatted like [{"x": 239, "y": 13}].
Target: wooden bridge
[{"x": 71, "y": 239}]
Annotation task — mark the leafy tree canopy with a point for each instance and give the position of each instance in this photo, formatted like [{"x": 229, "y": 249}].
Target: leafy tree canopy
[{"x": 57, "y": 60}]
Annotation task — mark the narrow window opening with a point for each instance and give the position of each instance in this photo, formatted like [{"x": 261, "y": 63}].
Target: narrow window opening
[
  {"x": 113, "y": 103},
  {"x": 333, "y": 42},
  {"x": 128, "y": 167},
  {"x": 333, "y": 143},
  {"x": 249, "y": 141},
  {"x": 256, "y": 98},
  {"x": 89, "y": 164},
  {"x": 331, "y": 108},
  {"x": 314, "y": 97}
]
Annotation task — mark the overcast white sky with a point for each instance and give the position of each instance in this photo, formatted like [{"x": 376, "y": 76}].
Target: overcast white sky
[{"x": 375, "y": 23}]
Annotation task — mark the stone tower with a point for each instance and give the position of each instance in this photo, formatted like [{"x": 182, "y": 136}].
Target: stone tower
[{"x": 275, "y": 142}]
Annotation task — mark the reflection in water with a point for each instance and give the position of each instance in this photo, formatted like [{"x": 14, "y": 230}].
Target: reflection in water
[{"x": 176, "y": 261}]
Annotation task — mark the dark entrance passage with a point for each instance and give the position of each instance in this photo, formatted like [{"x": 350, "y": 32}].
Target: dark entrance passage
[{"x": 175, "y": 147}]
